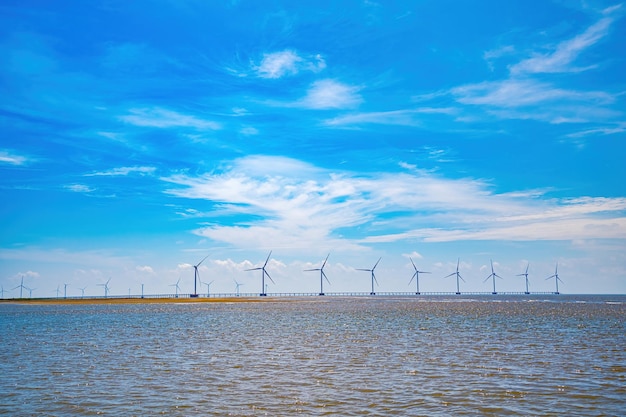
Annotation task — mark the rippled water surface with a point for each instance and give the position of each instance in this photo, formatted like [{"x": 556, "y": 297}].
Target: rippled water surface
[{"x": 560, "y": 355}]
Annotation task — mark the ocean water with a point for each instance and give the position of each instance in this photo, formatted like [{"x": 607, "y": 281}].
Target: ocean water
[{"x": 316, "y": 356}]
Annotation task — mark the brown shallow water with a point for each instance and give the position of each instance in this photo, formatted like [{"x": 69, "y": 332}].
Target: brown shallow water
[{"x": 441, "y": 356}]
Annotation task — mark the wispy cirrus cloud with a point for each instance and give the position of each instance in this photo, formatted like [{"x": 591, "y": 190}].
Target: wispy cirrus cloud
[
  {"x": 561, "y": 59},
  {"x": 407, "y": 117},
  {"x": 79, "y": 188},
  {"x": 162, "y": 118},
  {"x": 295, "y": 205},
  {"x": 12, "y": 158},
  {"x": 288, "y": 62},
  {"x": 123, "y": 171}
]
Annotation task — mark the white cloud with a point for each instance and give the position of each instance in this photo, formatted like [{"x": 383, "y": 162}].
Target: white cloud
[
  {"x": 396, "y": 117},
  {"x": 80, "y": 188},
  {"x": 145, "y": 268},
  {"x": 123, "y": 171},
  {"x": 565, "y": 53},
  {"x": 163, "y": 118},
  {"x": 11, "y": 158},
  {"x": 526, "y": 92},
  {"x": 295, "y": 205},
  {"x": 287, "y": 62},
  {"x": 330, "y": 94}
]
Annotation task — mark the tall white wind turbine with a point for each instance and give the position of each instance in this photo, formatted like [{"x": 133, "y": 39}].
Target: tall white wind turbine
[
  {"x": 416, "y": 276},
  {"x": 525, "y": 275},
  {"x": 21, "y": 286},
  {"x": 556, "y": 278},
  {"x": 196, "y": 277},
  {"x": 263, "y": 274},
  {"x": 322, "y": 275},
  {"x": 176, "y": 287},
  {"x": 458, "y": 276},
  {"x": 106, "y": 288},
  {"x": 373, "y": 276},
  {"x": 493, "y": 276}
]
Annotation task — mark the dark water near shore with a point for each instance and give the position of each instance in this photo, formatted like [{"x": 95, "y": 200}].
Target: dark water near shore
[{"x": 430, "y": 356}]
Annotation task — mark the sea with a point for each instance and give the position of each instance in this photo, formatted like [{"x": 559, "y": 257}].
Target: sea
[{"x": 547, "y": 355}]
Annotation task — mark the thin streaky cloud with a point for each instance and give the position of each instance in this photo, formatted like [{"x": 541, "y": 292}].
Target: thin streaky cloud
[
  {"x": 163, "y": 118},
  {"x": 565, "y": 53},
  {"x": 123, "y": 171},
  {"x": 8, "y": 157},
  {"x": 395, "y": 117}
]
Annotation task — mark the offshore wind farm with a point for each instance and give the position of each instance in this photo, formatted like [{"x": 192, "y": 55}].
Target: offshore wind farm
[
  {"x": 390, "y": 291},
  {"x": 253, "y": 208}
]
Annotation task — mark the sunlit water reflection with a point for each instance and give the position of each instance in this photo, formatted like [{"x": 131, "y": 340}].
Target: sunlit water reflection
[{"x": 318, "y": 356}]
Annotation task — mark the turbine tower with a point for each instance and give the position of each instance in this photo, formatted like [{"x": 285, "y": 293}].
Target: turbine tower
[
  {"x": 21, "y": 286},
  {"x": 105, "y": 285},
  {"x": 525, "y": 275},
  {"x": 416, "y": 275},
  {"x": 237, "y": 285},
  {"x": 493, "y": 275},
  {"x": 208, "y": 287},
  {"x": 196, "y": 277},
  {"x": 322, "y": 275},
  {"x": 373, "y": 276},
  {"x": 263, "y": 274},
  {"x": 177, "y": 288},
  {"x": 458, "y": 276},
  {"x": 556, "y": 278}
]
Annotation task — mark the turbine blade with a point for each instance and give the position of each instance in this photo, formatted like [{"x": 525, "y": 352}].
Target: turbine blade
[
  {"x": 413, "y": 263},
  {"x": 461, "y": 278},
  {"x": 268, "y": 275},
  {"x": 316, "y": 269},
  {"x": 324, "y": 275},
  {"x": 202, "y": 261},
  {"x": 454, "y": 273},
  {"x": 252, "y": 269},
  {"x": 268, "y": 259},
  {"x": 324, "y": 264},
  {"x": 361, "y": 269},
  {"x": 485, "y": 280},
  {"x": 376, "y": 264}
]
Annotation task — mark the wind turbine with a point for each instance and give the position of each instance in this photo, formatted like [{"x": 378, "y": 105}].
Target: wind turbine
[
  {"x": 1, "y": 291},
  {"x": 196, "y": 276},
  {"x": 237, "y": 287},
  {"x": 30, "y": 292},
  {"x": 65, "y": 290},
  {"x": 21, "y": 286},
  {"x": 82, "y": 291},
  {"x": 208, "y": 286},
  {"x": 556, "y": 278},
  {"x": 176, "y": 287},
  {"x": 322, "y": 275},
  {"x": 58, "y": 291},
  {"x": 458, "y": 276},
  {"x": 106, "y": 288},
  {"x": 416, "y": 275},
  {"x": 525, "y": 274},
  {"x": 493, "y": 275},
  {"x": 263, "y": 274},
  {"x": 373, "y": 276}
]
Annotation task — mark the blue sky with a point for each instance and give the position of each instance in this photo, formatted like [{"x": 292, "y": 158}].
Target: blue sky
[{"x": 138, "y": 137}]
